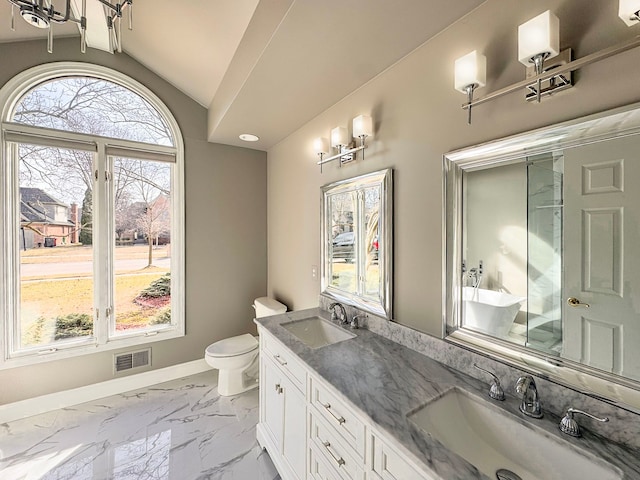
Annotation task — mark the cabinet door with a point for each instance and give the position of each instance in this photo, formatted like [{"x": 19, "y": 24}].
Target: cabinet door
[
  {"x": 388, "y": 464},
  {"x": 273, "y": 401},
  {"x": 294, "y": 447}
]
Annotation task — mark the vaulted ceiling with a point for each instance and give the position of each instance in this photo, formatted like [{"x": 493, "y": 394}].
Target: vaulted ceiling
[{"x": 268, "y": 66}]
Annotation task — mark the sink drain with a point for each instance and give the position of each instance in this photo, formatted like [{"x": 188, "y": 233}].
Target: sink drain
[{"x": 504, "y": 474}]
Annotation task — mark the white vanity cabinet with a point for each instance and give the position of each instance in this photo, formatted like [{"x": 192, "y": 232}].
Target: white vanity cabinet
[
  {"x": 282, "y": 409},
  {"x": 311, "y": 433},
  {"x": 337, "y": 436},
  {"x": 389, "y": 464}
]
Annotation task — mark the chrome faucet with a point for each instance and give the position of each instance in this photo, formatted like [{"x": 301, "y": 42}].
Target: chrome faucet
[
  {"x": 475, "y": 275},
  {"x": 530, "y": 405},
  {"x": 343, "y": 313}
]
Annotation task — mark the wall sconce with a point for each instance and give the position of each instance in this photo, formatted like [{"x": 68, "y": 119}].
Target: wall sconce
[
  {"x": 539, "y": 39},
  {"x": 340, "y": 140},
  {"x": 549, "y": 70},
  {"x": 321, "y": 147},
  {"x": 470, "y": 73},
  {"x": 629, "y": 11}
]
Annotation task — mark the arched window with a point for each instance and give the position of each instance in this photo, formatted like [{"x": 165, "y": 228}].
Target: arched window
[{"x": 92, "y": 201}]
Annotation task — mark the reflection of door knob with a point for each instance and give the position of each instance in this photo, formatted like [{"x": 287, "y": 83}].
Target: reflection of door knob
[{"x": 574, "y": 302}]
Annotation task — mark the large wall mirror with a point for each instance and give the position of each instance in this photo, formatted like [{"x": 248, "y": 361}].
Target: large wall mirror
[
  {"x": 543, "y": 252},
  {"x": 356, "y": 241}
]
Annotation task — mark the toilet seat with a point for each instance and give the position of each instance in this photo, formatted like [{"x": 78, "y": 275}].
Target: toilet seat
[{"x": 231, "y": 347}]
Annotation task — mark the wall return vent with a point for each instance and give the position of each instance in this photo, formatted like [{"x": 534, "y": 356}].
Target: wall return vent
[{"x": 131, "y": 360}]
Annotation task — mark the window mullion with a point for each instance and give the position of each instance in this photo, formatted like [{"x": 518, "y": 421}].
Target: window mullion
[
  {"x": 101, "y": 255},
  {"x": 108, "y": 244},
  {"x": 360, "y": 241},
  {"x": 10, "y": 249}
]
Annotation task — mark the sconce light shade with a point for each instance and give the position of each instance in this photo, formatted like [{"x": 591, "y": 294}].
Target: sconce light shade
[
  {"x": 539, "y": 36},
  {"x": 628, "y": 11},
  {"x": 339, "y": 137},
  {"x": 321, "y": 145},
  {"x": 470, "y": 69},
  {"x": 362, "y": 126}
]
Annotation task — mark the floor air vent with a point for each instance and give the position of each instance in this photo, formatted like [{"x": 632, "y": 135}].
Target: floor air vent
[{"x": 130, "y": 360}]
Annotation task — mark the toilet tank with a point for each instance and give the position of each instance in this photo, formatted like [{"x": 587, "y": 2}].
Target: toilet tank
[{"x": 266, "y": 306}]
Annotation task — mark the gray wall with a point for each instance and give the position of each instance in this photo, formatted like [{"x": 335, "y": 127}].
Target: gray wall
[
  {"x": 418, "y": 118},
  {"x": 226, "y": 252}
]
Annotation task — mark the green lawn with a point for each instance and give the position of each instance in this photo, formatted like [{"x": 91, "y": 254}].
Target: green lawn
[{"x": 44, "y": 298}]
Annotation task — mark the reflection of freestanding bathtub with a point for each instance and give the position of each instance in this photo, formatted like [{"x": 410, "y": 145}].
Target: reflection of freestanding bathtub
[{"x": 488, "y": 311}]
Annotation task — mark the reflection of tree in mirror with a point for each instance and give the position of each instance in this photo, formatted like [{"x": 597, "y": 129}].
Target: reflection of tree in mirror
[
  {"x": 341, "y": 213},
  {"x": 372, "y": 216}
]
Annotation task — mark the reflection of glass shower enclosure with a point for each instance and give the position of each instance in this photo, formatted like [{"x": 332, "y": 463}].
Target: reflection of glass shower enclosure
[{"x": 544, "y": 270}]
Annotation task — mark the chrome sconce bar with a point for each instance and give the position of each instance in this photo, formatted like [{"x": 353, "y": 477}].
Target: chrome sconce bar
[
  {"x": 347, "y": 150},
  {"x": 549, "y": 70}
]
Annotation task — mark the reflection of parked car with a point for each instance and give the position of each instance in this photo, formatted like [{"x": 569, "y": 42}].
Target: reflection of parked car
[
  {"x": 343, "y": 244},
  {"x": 374, "y": 249}
]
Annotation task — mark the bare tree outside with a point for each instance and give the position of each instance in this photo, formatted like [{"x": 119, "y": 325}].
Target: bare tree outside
[
  {"x": 57, "y": 283},
  {"x": 144, "y": 202}
]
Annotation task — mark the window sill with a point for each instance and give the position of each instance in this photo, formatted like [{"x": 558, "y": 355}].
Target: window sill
[{"x": 142, "y": 338}]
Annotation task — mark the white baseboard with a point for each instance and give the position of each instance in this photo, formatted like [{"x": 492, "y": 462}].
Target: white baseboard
[{"x": 95, "y": 391}]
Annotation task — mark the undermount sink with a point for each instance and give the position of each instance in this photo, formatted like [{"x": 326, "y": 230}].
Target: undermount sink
[
  {"x": 316, "y": 332},
  {"x": 486, "y": 437}
]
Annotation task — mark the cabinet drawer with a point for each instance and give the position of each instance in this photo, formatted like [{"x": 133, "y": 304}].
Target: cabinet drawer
[
  {"x": 336, "y": 413},
  {"x": 333, "y": 450},
  {"x": 285, "y": 359},
  {"x": 388, "y": 464},
  {"x": 318, "y": 469}
]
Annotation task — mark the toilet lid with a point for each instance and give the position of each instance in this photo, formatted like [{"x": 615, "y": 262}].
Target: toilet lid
[{"x": 230, "y": 347}]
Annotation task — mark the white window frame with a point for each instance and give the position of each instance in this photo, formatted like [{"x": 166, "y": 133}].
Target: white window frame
[{"x": 105, "y": 149}]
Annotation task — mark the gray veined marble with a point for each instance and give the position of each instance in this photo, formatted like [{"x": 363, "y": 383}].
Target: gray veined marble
[
  {"x": 387, "y": 381},
  {"x": 179, "y": 430},
  {"x": 555, "y": 398}
]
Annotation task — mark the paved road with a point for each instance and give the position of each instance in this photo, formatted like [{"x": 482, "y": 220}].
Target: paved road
[{"x": 46, "y": 269}]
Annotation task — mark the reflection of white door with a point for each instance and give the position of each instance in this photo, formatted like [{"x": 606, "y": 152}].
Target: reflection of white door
[{"x": 602, "y": 255}]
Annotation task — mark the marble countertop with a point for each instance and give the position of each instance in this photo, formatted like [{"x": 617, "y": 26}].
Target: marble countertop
[{"x": 386, "y": 381}]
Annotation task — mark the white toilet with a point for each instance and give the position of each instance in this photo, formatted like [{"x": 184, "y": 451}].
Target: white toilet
[{"x": 236, "y": 358}]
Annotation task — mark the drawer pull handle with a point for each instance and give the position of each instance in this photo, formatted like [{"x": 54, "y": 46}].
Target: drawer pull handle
[
  {"x": 340, "y": 420},
  {"x": 339, "y": 460},
  {"x": 280, "y": 360},
  {"x": 278, "y": 388}
]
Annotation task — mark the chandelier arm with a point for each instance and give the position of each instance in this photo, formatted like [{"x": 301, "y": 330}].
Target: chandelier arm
[
  {"x": 67, "y": 13},
  {"x": 58, "y": 17},
  {"x": 116, "y": 8}
]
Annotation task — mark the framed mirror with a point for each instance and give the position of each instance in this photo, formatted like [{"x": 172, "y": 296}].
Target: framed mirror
[
  {"x": 357, "y": 241},
  {"x": 543, "y": 252}
]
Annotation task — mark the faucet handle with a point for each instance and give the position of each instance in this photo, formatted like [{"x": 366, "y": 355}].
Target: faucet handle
[
  {"x": 569, "y": 426},
  {"x": 495, "y": 391},
  {"x": 354, "y": 320}
]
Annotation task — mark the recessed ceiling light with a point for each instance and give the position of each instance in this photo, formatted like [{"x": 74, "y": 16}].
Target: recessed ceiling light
[{"x": 247, "y": 137}]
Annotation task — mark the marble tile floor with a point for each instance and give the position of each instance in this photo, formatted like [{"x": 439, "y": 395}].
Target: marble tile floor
[{"x": 178, "y": 430}]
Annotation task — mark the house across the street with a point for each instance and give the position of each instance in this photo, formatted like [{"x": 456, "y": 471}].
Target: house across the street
[{"x": 46, "y": 221}]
